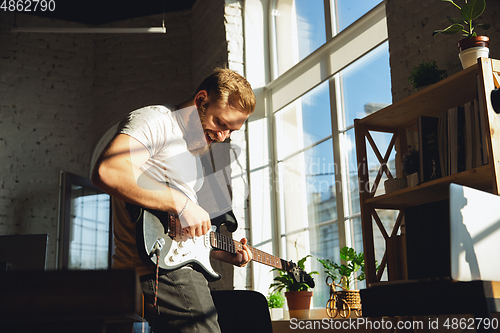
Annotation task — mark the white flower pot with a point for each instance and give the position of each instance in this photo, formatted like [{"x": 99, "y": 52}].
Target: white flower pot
[
  {"x": 469, "y": 56},
  {"x": 276, "y": 313}
]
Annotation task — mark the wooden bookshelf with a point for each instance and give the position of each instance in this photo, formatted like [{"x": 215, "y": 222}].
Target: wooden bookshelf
[{"x": 475, "y": 82}]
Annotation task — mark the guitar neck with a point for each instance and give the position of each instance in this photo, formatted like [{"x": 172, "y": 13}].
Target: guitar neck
[{"x": 227, "y": 244}]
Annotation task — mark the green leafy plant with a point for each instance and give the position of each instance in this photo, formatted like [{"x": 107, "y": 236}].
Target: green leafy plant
[
  {"x": 344, "y": 275},
  {"x": 470, "y": 11},
  {"x": 286, "y": 281},
  {"x": 275, "y": 300},
  {"x": 425, "y": 73},
  {"x": 410, "y": 161}
]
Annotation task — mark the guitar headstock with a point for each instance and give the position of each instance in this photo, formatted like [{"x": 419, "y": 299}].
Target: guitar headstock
[{"x": 299, "y": 274}]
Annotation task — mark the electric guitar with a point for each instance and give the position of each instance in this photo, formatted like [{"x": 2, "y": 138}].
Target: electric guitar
[{"x": 161, "y": 241}]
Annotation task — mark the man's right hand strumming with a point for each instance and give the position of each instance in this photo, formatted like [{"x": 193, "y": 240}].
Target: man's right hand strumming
[{"x": 194, "y": 220}]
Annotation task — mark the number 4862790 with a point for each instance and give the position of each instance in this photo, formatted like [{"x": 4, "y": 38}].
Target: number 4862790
[
  {"x": 471, "y": 323},
  {"x": 28, "y": 6}
]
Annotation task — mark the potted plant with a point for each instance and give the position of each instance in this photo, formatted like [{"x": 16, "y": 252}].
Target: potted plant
[
  {"x": 410, "y": 164},
  {"x": 298, "y": 294},
  {"x": 426, "y": 73},
  {"x": 275, "y": 302},
  {"x": 471, "y": 46},
  {"x": 343, "y": 276}
]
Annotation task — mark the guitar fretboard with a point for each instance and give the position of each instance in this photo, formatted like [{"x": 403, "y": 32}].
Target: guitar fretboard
[{"x": 224, "y": 243}]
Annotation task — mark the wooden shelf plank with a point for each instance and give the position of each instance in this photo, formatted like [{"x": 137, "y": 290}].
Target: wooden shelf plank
[{"x": 434, "y": 190}]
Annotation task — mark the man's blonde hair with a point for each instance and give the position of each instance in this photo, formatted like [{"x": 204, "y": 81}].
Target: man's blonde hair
[{"x": 227, "y": 87}]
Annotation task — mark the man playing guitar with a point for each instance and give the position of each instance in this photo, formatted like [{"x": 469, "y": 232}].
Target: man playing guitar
[{"x": 153, "y": 162}]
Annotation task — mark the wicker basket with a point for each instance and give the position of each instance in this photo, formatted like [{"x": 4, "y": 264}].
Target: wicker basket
[{"x": 351, "y": 297}]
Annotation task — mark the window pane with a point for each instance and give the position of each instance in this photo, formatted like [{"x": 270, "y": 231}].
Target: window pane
[
  {"x": 304, "y": 122},
  {"x": 300, "y": 29},
  {"x": 293, "y": 190},
  {"x": 89, "y": 229},
  {"x": 351, "y": 181},
  {"x": 307, "y": 188},
  {"x": 307, "y": 185},
  {"x": 388, "y": 218},
  {"x": 366, "y": 85},
  {"x": 320, "y": 180},
  {"x": 356, "y": 241},
  {"x": 311, "y": 25},
  {"x": 348, "y": 11},
  {"x": 324, "y": 245}
]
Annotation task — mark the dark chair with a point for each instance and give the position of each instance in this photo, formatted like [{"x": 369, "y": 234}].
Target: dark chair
[{"x": 242, "y": 311}]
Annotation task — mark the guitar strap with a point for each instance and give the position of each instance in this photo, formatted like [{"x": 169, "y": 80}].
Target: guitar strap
[
  {"x": 225, "y": 214},
  {"x": 167, "y": 219}
]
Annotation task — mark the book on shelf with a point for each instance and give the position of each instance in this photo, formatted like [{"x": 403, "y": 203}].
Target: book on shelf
[
  {"x": 481, "y": 109},
  {"x": 473, "y": 136},
  {"x": 456, "y": 139},
  {"x": 482, "y": 130},
  {"x": 477, "y": 155},
  {"x": 428, "y": 148},
  {"x": 452, "y": 142},
  {"x": 443, "y": 143},
  {"x": 468, "y": 136}
]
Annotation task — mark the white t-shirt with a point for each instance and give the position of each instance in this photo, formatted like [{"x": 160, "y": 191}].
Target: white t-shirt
[{"x": 160, "y": 130}]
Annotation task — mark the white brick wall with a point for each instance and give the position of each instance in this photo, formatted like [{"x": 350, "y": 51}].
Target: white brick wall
[
  {"x": 45, "y": 85},
  {"x": 59, "y": 93},
  {"x": 208, "y": 39}
]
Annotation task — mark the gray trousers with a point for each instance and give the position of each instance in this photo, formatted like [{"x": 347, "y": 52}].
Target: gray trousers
[{"x": 184, "y": 303}]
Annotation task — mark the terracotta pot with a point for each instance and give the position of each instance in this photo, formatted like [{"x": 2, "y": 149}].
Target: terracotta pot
[
  {"x": 299, "y": 300},
  {"x": 478, "y": 41}
]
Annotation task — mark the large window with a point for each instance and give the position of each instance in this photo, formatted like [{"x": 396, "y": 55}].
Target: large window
[{"x": 329, "y": 64}]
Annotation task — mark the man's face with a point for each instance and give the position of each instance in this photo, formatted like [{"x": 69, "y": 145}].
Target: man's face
[
  {"x": 215, "y": 121},
  {"x": 219, "y": 122}
]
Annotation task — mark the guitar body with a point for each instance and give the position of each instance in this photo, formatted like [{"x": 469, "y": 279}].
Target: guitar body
[{"x": 178, "y": 250}]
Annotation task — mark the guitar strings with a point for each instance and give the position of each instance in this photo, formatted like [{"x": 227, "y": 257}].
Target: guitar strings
[{"x": 228, "y": 244}]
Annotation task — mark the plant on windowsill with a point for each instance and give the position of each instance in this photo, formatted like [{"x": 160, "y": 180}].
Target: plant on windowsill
[
  {"x": 471, "y": 46},
  {"x": 425, "y": 74},
  {"x": 343, "y": 276},
  {"x": 298, "y": 294},
  {"x": 275, "y": 302}
]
